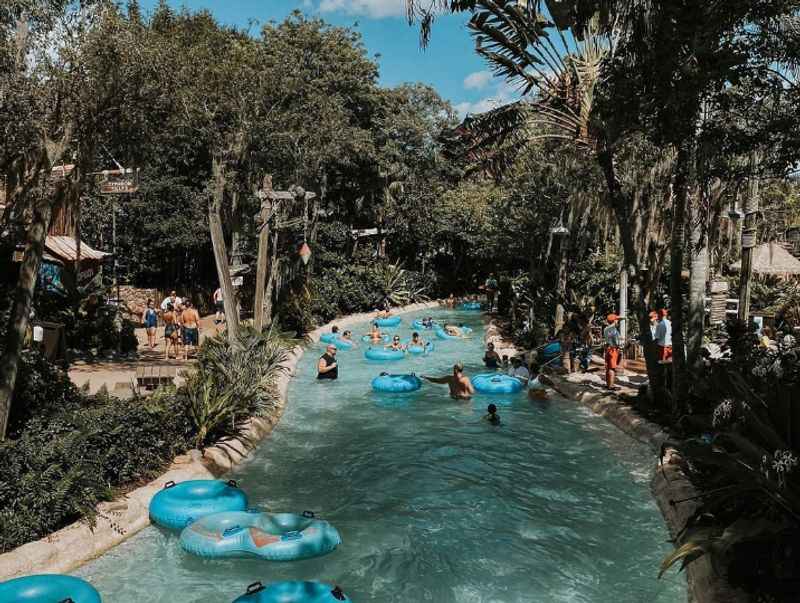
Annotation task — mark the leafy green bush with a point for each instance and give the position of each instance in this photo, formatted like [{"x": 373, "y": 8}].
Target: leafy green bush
[
  {"x": 41, "y": 390},
  {"x": 63, "y": 464},
  {"x": 232, "y": 384}
]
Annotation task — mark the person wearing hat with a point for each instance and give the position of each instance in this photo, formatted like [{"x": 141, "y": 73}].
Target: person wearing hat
[
  {"x": 612, "y": 349},
  {"x": 663, "y": 337},
  {"x": 519, "y": 370}
]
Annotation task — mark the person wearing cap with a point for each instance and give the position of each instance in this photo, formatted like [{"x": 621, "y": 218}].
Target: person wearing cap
[
  {"x": 327, "y": 367},
  {"x": 612, "y": 349},
  {"x": 459, "y": 384},
  {"x": 663, "y": 337}
]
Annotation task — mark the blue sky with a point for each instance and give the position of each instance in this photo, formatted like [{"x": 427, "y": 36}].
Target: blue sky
[{"x": 449, "y": 64}]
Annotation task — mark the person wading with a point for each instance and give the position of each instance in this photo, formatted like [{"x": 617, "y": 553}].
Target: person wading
[
  {"x": 327, "y": 367},
  {"x": 459, "y": 384}
]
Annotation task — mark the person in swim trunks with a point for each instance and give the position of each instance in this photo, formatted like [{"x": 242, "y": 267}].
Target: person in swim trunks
[
  {"x": 191, "y": 328},
  {"x": 459, "y": 384},
  {"x": 491, "y": 415}
]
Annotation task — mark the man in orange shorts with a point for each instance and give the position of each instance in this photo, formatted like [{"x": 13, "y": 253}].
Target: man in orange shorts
[{"x": 613, "y": 353}]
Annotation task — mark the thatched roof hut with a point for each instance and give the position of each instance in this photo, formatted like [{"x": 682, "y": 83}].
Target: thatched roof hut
[{"x": 771, "y": 259}]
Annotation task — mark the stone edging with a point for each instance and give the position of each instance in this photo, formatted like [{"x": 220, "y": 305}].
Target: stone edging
[
  {"x": 118, "y": 520},
  {"x": 669, "y": 483}
]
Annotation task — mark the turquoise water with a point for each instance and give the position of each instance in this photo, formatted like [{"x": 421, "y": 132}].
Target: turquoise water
[{"x": 433, "y": 503}]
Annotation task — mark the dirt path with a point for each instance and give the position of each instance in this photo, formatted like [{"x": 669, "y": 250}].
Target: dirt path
[{"x": 118, "y": 376}]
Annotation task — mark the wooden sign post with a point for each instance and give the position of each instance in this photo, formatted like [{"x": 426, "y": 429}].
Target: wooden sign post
[{"x": 270, "y": 203}]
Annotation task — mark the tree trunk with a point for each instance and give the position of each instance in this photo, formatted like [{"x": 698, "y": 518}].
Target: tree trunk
[
  {"x": 561, "y": 283},
  {"x": 643, "y": 282},
  {"x": 263, "y": 253},
  {"x": 697, "y": 288},
  {"x": 677, "y": 246},
  {"x": 23, "y": 298},
  {"x": 220, "y": 251},
  {"x": 750, "y": 221}
]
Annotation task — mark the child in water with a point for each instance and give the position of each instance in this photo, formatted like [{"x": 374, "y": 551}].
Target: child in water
[{"x": 492, "y": 415}]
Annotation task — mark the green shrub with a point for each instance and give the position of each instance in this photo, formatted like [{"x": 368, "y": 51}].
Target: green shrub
[
  {"x": 41, "y": 389},
  {"x": 63, "y": 464},
  {"x": 232, "y": 384}
]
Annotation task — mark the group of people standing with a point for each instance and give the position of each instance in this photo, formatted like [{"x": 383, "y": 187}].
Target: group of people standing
[{"x": 181, "y": 325}]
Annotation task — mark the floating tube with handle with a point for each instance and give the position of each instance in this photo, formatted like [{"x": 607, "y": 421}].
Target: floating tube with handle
[
  {"x": 178, "y": 505},
  {"x": 419, "y": 349},
  {"x": 269, "y": 536},
  {"x": 396, "y": 384},
  {"x": 392, "y": 321},
  {"x": 495, "y": 383},
  {"x": 48, "y": 588},
  {"x": 383, "y": 355},
  {"x": 293, "y": 592}
]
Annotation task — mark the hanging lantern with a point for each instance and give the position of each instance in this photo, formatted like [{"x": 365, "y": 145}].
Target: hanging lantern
[{"x": 305, "y": 253}]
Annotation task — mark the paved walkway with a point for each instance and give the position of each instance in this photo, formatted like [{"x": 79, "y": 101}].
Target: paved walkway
[{"x": 118, "y": 376}]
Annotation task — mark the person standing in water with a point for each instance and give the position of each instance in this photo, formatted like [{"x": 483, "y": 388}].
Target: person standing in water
[
  {"x": 459, "y": 384},
  {"x": 327, "y": 367},
  {"x": 491, "y": 415},
  {"x": 491, "y": 358}
]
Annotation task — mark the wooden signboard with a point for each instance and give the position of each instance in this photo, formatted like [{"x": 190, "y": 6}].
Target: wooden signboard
[{"x": 119, "y": 182}]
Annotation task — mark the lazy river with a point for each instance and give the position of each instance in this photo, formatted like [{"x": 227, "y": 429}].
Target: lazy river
[{"x": 432, "y": 503}]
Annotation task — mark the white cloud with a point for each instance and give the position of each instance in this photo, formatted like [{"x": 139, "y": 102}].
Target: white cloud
[
  {"x": 377, "y": 9},
  {"x": 503, "y": 93},
  {"x": 477, "y": 80}
]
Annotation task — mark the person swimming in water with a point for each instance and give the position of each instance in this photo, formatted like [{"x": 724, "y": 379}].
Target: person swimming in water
[
  {"x": 491, "y": 415},
  {"x": 453, "y": 331},
  {"x": 416, "y": 340},
  {"x": 375, "y": 334},
  {"x": 395, "y": 345},
  {"x": 348, "y": 337},
  {"x": 460, "y": 386}
]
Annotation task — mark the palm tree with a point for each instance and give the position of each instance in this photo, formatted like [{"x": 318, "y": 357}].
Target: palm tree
[{"x": 557, "y": 65}]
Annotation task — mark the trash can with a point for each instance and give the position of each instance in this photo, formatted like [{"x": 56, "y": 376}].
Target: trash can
[{"x": 53, "y": 342}]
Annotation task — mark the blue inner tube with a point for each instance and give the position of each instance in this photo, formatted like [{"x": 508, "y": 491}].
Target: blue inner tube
[
  {"x": 178, "y": 505},
  {"x": 293, "y": 592},
  {"x": 551, "y": 350},
  {"x": 495, "y": 383},
  {"x": 418, "y": 349},
  {"x": 343, "y": 344},
  {"x": 270, "y": 536},
  {"x": 442, "y": 334},
  {"x": 46, "y": 588},
  {"x": 336, "y": 339},
  {"x": 392, "y": 321},
  {"x": 417, "y": 324},
  {"x": 382, "y": 354},
  {"x": 471, "y": 306},
  {"x": 396, "y": 384},
  {"x": 386, "y": 338}
]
